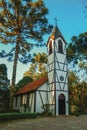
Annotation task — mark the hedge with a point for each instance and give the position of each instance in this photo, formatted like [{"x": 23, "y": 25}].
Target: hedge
[{"x": 11, "y": 116}]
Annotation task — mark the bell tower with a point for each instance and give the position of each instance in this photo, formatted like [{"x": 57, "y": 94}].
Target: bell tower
[{"x": 57, "y": 73}]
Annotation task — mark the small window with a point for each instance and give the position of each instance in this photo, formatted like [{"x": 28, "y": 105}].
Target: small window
[
  {"x": 60, "y": 46},
  {"x": 50, "y": 47}
]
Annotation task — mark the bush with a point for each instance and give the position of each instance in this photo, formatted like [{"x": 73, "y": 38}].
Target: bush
[
  {"x": 1, "y": 106},
  {"x": 74, "y": 110},
  {"x": 11, "y": 116}
]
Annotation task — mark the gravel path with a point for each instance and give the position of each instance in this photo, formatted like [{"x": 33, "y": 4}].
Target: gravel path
[{"x": 51, "y": 123}]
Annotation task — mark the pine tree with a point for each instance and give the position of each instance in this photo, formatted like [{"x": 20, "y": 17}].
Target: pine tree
[{"x": 21, "y": 21}]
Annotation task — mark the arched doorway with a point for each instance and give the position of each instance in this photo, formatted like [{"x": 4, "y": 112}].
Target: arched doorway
[{"x": 62, "y": 104}]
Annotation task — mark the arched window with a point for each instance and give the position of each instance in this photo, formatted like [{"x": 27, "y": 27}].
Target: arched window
[
  {"x": 60, "y": 46},
  {"x": 50, "y": 47}
]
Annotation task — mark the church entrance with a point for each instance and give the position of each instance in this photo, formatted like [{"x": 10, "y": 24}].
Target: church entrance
[{"x": 61, "y": 104}]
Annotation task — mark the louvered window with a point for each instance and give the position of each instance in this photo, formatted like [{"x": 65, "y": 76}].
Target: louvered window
[{"x": 60, "y": 46}]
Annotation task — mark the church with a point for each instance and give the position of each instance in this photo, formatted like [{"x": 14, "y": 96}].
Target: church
[{"x": 49, "y": 92}]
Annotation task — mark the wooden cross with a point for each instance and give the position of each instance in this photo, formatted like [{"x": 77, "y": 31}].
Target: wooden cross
[{"x": 56, "y": 21}]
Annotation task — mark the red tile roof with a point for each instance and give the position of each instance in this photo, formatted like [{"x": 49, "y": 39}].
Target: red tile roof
[{"x": 32, "y": 86}]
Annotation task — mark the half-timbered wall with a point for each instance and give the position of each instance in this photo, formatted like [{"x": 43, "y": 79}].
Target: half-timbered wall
[
  {"x": 26, "y": 99},
  {"x": 41, "y": 97},
  {"x": 57, "y": 75},
  {"x": 31, "y": 101},
  {"x": 17, "y": 103}
]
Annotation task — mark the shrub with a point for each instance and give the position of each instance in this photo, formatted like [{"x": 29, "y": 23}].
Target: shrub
[{"x": 11, "y": 116}]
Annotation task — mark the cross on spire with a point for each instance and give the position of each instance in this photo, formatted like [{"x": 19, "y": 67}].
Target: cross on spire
[{"x": 56, "y": 21}]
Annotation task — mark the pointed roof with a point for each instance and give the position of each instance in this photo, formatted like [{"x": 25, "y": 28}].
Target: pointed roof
[
  {"x": 56, "y": 34},
  {"x": 32, "y": 86}
]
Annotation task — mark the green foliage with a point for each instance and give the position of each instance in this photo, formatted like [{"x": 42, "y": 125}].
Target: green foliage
[
  {"x": 23, "y": 82},
  {"x": 11, "y": 116},
  {"x": 77, "y": 55},
  {"x": 3, "y": 69},
  {"x": 4, "y": 81},
  {"x": 4, "y": 100},
  {"x": 77, "y": 48},
  {"x": 74, "y": 110},
  {"x": 38, "y": 67},
  {"x": 1, "y": 106},
  {"x": 77, "y": 92},
  {"x": 40, "y": 58},
  {"x": 4, "y": 91}
]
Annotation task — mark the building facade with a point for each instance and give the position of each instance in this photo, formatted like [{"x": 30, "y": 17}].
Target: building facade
[{"x": 48, "y": 92}]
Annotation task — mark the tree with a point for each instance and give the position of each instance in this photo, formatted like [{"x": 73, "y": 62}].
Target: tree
[
  {"x": 38, "y": 67},
  {"x": 77, "y": 59},
  {"x": 77, "y": 54},
  {"x": 23, "y": 82},
  {"x": 4, "y": 100},
  {"x": 77, "y": 48},
  {"x": 77, "y": 92},
  {"x": 4, "y": 88},
  {"x": 72, "y": 82},
  {"x": 21, "y": 20},
  {"x": 3, "y": 69},
  {"x": 81, "y": 94},
  {"x": 40, "y": 58},
  {"x": 4, "y": 81}
]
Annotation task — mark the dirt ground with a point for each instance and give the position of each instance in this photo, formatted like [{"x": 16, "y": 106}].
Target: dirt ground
[{"x": 47, "y": 123}]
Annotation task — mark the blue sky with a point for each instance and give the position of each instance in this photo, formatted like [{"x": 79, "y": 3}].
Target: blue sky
[{"x": 71, "y": 21}]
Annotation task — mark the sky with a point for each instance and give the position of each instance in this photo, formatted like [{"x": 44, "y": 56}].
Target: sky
[{"x": 71, "y": 20}]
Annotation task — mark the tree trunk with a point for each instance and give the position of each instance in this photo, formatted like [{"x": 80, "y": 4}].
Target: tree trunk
[{"x": 12, "y": 87}]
